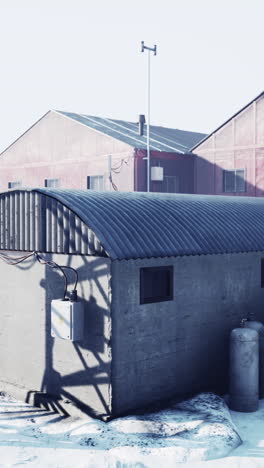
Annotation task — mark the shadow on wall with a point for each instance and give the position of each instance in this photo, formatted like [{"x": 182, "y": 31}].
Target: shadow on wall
[
  {"x": 78, "y": 364},
  {"x": 85, "y": 367},
  {"x": 209, "y": 178}
]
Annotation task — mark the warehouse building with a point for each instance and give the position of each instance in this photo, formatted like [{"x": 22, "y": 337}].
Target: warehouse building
[
  {"x": 70, "y": 150},
  {"x": 230, "y": 161},
  {"x": 162, "y": 280}
]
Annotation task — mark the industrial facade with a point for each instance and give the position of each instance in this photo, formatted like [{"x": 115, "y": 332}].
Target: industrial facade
[
  {"x": 70, "y": 150},
  {"x": 77, "y": 151},
  {"x": 163, "y": 278},
  {"x": 230, "y": 161}
]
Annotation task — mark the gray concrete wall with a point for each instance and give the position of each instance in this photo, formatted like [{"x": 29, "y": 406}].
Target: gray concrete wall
[
  {"x": 175, "y": 348},
  {"x": 31, "y": 361}
]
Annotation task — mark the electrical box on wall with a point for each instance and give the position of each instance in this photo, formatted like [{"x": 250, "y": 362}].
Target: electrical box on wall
[
  {"x": 67, "y": 320},
  {"x": 157, "y": 173}
]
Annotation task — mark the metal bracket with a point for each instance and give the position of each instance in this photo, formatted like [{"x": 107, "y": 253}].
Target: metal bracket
[{"x": 153, "y": 49}]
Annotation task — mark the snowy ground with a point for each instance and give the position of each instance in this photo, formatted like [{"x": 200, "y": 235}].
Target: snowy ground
[{"x": 199, "y": 429}]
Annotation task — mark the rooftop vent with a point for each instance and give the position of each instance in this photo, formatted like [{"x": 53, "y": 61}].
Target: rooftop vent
[{"x": 141, "y": 122}]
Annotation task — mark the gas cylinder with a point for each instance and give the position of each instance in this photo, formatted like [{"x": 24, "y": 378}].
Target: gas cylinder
[
  {"x": 244, "y": 369},
  {"x": 258, "y": 326}
]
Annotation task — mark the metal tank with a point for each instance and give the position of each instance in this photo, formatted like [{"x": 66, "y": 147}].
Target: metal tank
[
  {"x": 244, "y": 369},
  {"x": 259, "y": 327}
]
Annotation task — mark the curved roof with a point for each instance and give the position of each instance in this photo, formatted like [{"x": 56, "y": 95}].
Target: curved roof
[{"x": 140, "y": 225}]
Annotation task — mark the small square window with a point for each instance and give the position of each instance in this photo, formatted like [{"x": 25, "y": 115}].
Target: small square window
[
  {"x": 156, "y": 284},
  {"x": 234, "y": 181},
  {"x": 52, "y": 183},
  {"x": 96, "y": 183},
  {"x": 15, "y": 184}
]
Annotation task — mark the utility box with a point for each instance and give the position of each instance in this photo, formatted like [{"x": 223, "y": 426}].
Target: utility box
[
  {"x": 67, "y": 320},
  {"x": 157, "y": 173}
]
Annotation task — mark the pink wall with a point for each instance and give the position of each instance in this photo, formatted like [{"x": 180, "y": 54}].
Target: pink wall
[
  {"x": 58, "y": 147},
  {"x": 237, "y": 145}
]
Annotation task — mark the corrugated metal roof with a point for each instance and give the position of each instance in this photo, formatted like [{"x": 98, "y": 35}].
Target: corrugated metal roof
[
  {"x": 161, "y": 138},
  {"x": 141, "y": 225}
]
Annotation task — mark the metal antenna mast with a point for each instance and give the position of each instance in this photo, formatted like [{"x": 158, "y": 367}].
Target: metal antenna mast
[{"x": 149, "y": 49}]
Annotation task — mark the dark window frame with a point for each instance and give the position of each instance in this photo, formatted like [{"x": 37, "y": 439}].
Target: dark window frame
[
  {"x": 98, "y": 176},
  {"x": 46, "y": 183},
  {"x": 168, "y": 269},
  {"x": 236, "y": 176},
  {"x": 17, "y": 183}
]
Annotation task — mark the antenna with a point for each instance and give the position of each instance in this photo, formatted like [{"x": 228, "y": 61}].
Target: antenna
[{"x": 154, "y": 50}]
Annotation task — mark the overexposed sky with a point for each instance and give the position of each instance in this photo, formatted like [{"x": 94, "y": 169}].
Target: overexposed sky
[{"x": 84, "y": 56}]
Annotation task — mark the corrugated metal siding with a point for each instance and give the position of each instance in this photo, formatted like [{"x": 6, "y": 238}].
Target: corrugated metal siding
[
  {"x": 32, "y": 221},
  {"x": 142, "y": 225},
  {"x": 127, "y": 225}
]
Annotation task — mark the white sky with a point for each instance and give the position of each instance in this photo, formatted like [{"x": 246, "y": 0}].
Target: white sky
[{"x": 84, "y": 56}]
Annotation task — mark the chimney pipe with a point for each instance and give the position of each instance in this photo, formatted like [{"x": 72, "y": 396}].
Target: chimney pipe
[{"x": 141, "y": 122}]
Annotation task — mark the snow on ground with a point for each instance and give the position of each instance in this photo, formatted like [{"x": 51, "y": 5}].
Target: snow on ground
[{"x": 194, "y": 431}]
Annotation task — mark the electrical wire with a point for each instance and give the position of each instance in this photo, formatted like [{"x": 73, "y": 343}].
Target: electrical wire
[
  {"x": 117, "y": 170},
  {"x": 112, "y": 183},
  {"x": 75, "y": 272},
  {"x": 52, "y": 264},
  {"x": 15, "y": 260}
]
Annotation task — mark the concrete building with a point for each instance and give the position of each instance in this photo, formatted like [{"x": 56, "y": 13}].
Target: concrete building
[
  {"x": 163, "y": 279},
  {"x": 230, "y": 161},
  {"x": 78, "y": 151}
]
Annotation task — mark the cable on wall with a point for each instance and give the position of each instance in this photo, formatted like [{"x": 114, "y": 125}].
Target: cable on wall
[
  {"x": 15, "y": 260},
  {"x": 116, "y": 170}
]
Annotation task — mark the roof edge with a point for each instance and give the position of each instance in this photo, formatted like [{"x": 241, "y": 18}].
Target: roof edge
[
  {"x": 61, "y": 113},
  {"x": 143, "y": 147},
  {"x": 228, "y": 120},
  {"x": 26, "y": 131}
]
